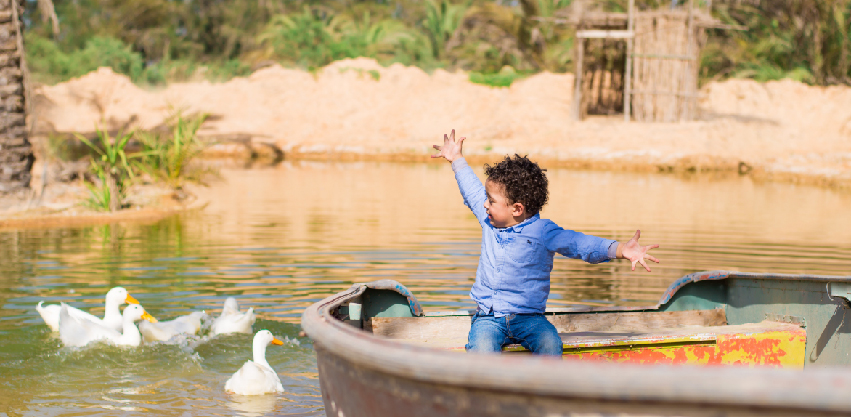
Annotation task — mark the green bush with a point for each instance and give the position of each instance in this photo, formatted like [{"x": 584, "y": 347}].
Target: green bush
[
  {"x": 45, "y": 57},
  {"x": 503, "y": 78}
]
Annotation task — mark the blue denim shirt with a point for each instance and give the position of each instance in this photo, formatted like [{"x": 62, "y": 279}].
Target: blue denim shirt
[{"x": 514, "y": 269}]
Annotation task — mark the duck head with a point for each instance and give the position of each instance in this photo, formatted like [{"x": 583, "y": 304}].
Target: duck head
[
  {"x": 119, "y": 295},
  {"x": 136, "y": 312}
]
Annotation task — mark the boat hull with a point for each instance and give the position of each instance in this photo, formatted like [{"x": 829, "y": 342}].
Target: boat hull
[{"x": 364, "y": 374}]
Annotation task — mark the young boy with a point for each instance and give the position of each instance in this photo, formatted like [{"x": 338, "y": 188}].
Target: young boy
[{"x": 513, "y": 277}]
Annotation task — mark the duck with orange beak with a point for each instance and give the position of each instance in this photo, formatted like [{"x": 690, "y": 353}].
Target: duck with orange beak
[
  {"x": 111, "y": 314},
  {"x": 74, "y": 331},
  {"x": 257, "y": 377}
]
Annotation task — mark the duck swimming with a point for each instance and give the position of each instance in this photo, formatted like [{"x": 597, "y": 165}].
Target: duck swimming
[
  {"x": 232, "y": 320},
  {"x": 165, "y": 330},
  {"x": 74, "y": 331},
  {"x": 111, "y": 314},
  {"x": 257, "y": 377}
]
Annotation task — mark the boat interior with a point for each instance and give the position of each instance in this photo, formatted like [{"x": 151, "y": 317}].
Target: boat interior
[{"x": 717, "y": 318}]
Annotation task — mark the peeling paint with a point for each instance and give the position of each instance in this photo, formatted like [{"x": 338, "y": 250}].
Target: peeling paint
[{"x": 774, "y": 348}]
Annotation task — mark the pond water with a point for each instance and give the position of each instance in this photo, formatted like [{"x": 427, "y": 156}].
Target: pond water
[{"x": 280, "y": 238}]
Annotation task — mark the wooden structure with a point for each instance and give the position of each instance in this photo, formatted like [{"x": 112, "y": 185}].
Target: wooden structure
[
  {"x": 644, "y": 63},
  {"x": 379, "y": 355},
  {"x": 16, "y": 153}
]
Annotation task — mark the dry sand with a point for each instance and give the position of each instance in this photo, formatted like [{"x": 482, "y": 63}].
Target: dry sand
[{"x": 778, "y": 129}]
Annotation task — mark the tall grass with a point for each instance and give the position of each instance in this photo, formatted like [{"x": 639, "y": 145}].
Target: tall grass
[
  {"x": 317, "y": 37},
  {"x": 169, "y": 158},
  {"x": 442, "y": 20},
  {"x": 112, "y": 168}
]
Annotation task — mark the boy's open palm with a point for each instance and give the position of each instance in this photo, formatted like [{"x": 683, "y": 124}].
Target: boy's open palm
[
  {"x": 637, "y": 253},
  {"x": 451, "y": 149}
]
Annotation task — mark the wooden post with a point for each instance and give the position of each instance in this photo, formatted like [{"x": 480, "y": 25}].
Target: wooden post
[
  {"x": 688, "y": 64},
  {"x": 627, "y": 78},
  {"x": 577, "y": 93}
]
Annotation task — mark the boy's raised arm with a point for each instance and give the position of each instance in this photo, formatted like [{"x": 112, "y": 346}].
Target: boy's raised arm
[{"x": 471, "y": 187}]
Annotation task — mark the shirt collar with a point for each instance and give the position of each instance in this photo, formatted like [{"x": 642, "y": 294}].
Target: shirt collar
[{"x": 517, "y": 228}]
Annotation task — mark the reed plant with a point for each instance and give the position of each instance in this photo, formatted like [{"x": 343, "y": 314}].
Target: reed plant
[
  {"x": 168, "y": 158},
  {"x": 111, "y": 166}
]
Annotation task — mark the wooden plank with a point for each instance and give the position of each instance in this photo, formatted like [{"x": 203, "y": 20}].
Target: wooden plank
[
  {"x": 455, "y": 327},
  {"x": 577, "y": 88},
  {"x": 637, "y": 321},
  {"x": 605, "y": 34},
  {"x": 627, "y": 97}
]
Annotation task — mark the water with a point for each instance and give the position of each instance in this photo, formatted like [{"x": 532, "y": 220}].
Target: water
[{"x": 283, "y": 237}]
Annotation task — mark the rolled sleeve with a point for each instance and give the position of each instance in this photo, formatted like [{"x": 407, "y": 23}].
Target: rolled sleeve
[{"x": 613, "y": 250}]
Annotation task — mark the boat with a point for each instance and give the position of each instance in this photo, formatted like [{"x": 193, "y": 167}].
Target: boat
[{"x": 718, "y": 343}]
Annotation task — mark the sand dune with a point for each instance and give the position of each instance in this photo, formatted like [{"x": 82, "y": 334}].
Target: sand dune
[{"x": 780, "y": 128}]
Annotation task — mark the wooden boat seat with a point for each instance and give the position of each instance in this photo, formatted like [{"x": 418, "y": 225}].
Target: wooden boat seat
[
  {"x": 697, "y": 336},
  {"x": 448, "y": 328}
]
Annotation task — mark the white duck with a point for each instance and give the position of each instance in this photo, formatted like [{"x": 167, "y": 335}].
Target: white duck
[
  {"x": 74, "y": 331},
  {"x": 232, "y": 320},
  {"x": 111, "y": 315},
  {"x": 165, "y": 330},
  {"x": 257, "y": 377}
]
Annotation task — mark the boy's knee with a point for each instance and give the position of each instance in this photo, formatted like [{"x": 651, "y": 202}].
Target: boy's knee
[
  {"x": 483, "y": 344},
  {"x": 549, "y": 344}
]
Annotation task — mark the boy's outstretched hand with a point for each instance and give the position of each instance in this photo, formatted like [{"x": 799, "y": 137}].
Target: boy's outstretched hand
[
  {"x": 636, "y": 253},
  {"x": 451, "y": 149}
]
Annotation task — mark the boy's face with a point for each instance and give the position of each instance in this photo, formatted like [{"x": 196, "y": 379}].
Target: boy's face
[{"x": 501, "y": 212}]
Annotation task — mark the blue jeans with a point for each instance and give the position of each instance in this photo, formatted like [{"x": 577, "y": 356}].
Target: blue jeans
[{"x": 532, "y": 331}]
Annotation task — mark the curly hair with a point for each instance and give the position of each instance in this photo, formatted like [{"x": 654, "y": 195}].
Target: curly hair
[{"x": 523, "y": 181}]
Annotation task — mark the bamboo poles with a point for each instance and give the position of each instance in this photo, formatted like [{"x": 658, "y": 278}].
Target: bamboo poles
[
  {"x": 627, "y": 79},
  {"x": 656, "y": 81},
  {"x": 664, "y": 82}
]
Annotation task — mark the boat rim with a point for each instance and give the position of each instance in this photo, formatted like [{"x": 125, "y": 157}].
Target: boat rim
[{"x": 813, "y": 389}]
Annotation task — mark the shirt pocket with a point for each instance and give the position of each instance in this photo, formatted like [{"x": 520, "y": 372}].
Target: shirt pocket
[{"x": 525, "y": 251}]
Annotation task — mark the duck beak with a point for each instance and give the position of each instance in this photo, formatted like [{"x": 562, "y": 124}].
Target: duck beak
[
  {"x": 275, "y": 341},
  {"x": 149, "y": 317},
  {"x": 130, "y": 300}
]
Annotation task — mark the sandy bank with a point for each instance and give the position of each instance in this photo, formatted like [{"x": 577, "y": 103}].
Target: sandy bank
[
  {"x": 778, "y": 129},
  {"x": 61, "y": 205}
]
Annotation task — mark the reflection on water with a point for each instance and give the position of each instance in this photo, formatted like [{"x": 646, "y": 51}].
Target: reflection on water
[
  {"x": 281, "y": 238},
  {"x": 253, "y": 406}
]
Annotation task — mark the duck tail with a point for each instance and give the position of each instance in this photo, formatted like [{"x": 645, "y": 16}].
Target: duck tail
[
  {"x": 39, "y": 308},
  {"x": 251, "y": 316}
]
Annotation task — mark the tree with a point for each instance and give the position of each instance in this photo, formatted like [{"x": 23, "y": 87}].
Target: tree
[{"x": 16, "y": 154}]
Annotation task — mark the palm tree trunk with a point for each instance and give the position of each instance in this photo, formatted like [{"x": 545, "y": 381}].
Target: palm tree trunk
[{"x": 16, "y": 154}]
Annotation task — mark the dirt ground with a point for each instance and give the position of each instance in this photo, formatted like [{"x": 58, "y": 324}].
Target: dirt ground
[{"x": 357, "y": 109}]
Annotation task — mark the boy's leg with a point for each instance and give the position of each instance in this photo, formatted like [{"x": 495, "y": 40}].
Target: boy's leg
[
  {"x": 487, "y": 334},
  {"x": 536, "y": 333}
]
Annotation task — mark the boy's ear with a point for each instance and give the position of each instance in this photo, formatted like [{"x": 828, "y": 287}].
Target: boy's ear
[{"x": 517, "y": 209}]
